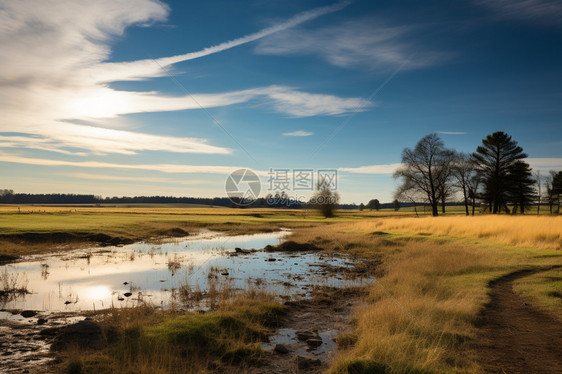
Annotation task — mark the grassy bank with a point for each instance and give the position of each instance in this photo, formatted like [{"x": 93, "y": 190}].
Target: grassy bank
[
  {"x": 140, "y": 340},
  {"x": 543, "y": 289}
]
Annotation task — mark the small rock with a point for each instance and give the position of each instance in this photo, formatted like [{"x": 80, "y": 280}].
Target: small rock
[
  {"x": 314, "y": 342},
  {"x": 41, "y": 321},
  {"x": 127, "y": 294},
  {"x": 84, "y": 334},
  {"x": 51, "y": 331},
  {"x": 224, "y": 273},
  {"x": 28, "y": 313},
  {"x": 305, "y": 362},
  {"x": 280, "y": 348},
  {"x": 271, "y": 259},
  {"x": 305, "y": 335}
]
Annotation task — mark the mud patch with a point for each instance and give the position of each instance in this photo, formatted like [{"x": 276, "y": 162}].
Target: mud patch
[
  {"x": 291, "y": 246},
  {"x": 25, "y": 342},
  {"x": 306, "y": 341}
]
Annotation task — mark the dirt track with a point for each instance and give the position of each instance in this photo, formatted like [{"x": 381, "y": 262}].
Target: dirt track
[{"x": 515, "y": 336}]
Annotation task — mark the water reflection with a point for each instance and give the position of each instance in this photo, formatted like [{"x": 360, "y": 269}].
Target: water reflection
[{"x": 187, "y": 269}]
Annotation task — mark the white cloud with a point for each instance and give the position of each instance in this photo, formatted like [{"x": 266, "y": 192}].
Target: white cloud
[
  {"x": 545, "y": 163},
  {"x": 298, "y": 133},
  {"x": 547, "y": 12},
  {"x": 373, "y": 169},
  {"x": 165, "y": 168},
  {"x": 365, "y": 43},
  {"x": 105, "y": 177},
  {"x": 55, "y": 83}
]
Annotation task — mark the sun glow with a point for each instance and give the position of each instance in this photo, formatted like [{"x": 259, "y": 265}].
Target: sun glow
[{"x": 98, "y": 292}]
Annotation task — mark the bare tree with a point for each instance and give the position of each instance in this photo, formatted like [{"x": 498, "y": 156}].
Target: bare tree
[
  {"x": 407, "y": 192},
  {"x": 539, "y": 195},
  {"x": 325, "y": 200},
  {"x": 464, "y": 174},
  {"x": 425, "y": 169}
]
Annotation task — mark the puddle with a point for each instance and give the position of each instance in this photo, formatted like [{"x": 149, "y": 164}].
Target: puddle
[{"x": 142, "y": 272}]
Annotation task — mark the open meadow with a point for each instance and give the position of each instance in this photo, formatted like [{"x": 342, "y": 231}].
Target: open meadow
[{"x": 422, "y": 314}]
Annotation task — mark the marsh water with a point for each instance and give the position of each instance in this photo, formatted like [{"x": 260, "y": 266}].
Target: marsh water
[{"x": 169, "y": 273}]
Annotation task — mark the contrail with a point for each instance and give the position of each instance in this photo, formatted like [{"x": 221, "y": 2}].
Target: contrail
[
  {"x": 139, "y": 69},
  {"x": 296, "y": 20}
]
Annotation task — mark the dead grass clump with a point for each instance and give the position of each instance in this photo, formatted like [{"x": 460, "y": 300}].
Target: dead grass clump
[
  {"x": 12, "y": 284},
  {"x": 145, "y": 341}
]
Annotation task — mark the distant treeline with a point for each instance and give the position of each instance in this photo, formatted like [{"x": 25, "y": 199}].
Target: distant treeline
[{"x": 8, "y": 197}]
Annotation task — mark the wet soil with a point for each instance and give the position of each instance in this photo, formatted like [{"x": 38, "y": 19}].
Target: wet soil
[
  {"x": 515, "y": 336},
  {"x": 25, "y": 342},
  {"x": 308, "y": 332}
]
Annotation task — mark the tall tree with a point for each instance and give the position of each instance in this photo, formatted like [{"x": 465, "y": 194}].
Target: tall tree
[
  {"x": 521, "y": 186},
  {"x": 495, "y": 158},
  {"x": 556, "y": 189},
  {"x": 396, "y": 205},
  {"x": 424, "y": 169},
  {"x": 538, "y": 179},
  {"x": 464, "y": 174}
]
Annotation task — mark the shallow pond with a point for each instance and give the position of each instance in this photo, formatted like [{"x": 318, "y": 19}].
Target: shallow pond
[{"x": 171, "y": 273}]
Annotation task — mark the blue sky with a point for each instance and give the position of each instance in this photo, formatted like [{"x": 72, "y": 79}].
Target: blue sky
[{"x": 167, "y": 98}]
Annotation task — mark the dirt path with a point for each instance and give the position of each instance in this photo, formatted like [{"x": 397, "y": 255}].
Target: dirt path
[{"x": 515, "y": 336}]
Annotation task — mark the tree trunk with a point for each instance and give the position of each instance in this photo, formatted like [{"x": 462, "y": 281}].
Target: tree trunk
[{"x": 465, "y": 199}]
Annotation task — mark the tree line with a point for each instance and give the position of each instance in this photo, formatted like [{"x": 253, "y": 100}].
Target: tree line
[{"x": 495, "y": 177}]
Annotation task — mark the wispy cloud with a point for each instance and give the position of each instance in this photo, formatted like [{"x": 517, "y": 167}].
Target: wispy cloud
[
  {"x": 544, "y": 12},
  {"x": 165, "y": 168},
  {"x": 452, "y": 132},
  {"x": 156, "y": 67},
  {"x": 298, "y": 133},
  {"x": 373, "y": 169},
  {"x": 545, "y": 163},
  {"x": 55, "y": 85},
  {"x": 105, "y": 177},
  {"x": 367, "y": 43}
]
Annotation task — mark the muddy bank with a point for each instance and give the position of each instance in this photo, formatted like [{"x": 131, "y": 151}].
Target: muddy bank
[
  {"x": 100, "y": 238},
  {"x": 26, "y": 338},
  {"x": 309, "y": 335},
  {"x": 39, "y": 242}
]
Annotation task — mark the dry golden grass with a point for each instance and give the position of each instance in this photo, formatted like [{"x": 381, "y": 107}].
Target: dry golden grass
[
  {"x": 419, "y": 315},
  {"x": 542, "y": 232}
]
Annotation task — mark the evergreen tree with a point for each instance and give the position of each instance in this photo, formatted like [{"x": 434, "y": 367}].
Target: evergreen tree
[
  {"x": 495, "y": 158},
  {"x": 521, "y": 186}
]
